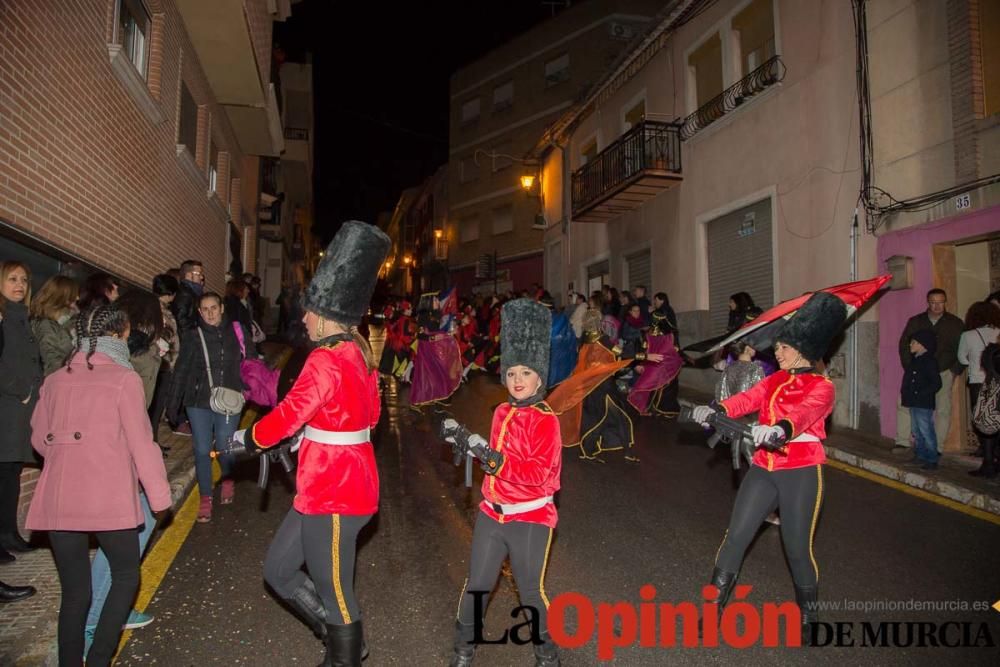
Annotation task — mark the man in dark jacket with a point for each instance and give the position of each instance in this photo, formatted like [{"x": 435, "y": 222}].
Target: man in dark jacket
[
  {"x": 921, "y": 381},
  {"x": 947, "y": 330},
  {"x": 185, "y": 305}
]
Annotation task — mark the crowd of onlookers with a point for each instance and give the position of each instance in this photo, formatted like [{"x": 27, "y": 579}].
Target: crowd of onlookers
[{"x": 69, "y": 403}]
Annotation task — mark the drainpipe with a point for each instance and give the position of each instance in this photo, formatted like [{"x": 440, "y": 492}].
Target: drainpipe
[{"x": 853, "y": 407}]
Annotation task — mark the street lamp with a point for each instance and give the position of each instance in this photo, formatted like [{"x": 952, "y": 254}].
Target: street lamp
[
  {"x": 527, "y": 181},
  {"x": 438, "y": 233}
]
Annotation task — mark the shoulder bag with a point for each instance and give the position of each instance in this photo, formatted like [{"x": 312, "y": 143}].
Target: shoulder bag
[{"x": 222, "y": 400}]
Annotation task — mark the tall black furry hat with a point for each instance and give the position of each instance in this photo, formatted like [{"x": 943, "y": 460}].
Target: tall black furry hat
[
  {"x": 345, "y": 279},
  {"x": 814, "y": 325},
  {"x": 525, "y": 331}
]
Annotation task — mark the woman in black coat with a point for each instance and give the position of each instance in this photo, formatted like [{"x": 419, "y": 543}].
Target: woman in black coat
[{"x": 20, "y": 379}]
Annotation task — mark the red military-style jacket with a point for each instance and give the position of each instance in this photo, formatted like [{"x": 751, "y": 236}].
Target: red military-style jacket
[
  {"x": 529, "y": 439},
  {"x": 799, "y": 403},
  {"x": 334, "y": 392}
]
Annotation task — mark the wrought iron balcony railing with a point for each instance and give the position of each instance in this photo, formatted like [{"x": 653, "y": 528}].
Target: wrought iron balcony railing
[
  {"x": 762, "y": 78},
  {"x": 649, "y": 146}
]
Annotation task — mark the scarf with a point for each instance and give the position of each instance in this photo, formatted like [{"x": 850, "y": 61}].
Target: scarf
[
  {"x": 636, "y": 322},
  {"x": 115, "y": 348},
  {"x": 538, "y": 397},
  {"x": 197, "y": 288}
]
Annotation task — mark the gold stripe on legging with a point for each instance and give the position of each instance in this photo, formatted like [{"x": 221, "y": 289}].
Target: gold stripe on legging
[
  {"x": 337, "y": 588},
  {"x": 459, "y": 610},
  {"x": 721, "y": 544},
  {"x": 812, "y": 528},
  {"x": 545, "y": 565}
]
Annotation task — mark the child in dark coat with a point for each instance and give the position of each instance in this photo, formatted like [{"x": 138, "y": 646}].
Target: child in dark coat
[{"x": 921, "y": 381}]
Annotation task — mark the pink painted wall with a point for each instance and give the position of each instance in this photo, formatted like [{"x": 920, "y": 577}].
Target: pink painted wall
[{"x": 897, "y": 306}]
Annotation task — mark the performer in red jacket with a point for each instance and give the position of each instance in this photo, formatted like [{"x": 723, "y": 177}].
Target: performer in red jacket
[
  {"x": 336, "y": 399},
  {"x": 793, "y": 405},
  {"x": 522, "y": 460}
]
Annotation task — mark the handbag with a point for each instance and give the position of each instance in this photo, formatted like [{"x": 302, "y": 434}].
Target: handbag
[
  {"x": 260, "y": 381},
  {"x": 256, "y": 332},
  {"x": 986, "y": 415},
  {"x": 222, "y": 400}
]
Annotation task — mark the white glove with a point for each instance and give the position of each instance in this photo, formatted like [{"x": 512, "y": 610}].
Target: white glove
[
  {"x": 763, "y": 434},
  {"x": 701, "y": 413},
  {"x": 299, "y": 437},
  {"x": 240, "y": 436},
  {"x": 450, "y": 425}
]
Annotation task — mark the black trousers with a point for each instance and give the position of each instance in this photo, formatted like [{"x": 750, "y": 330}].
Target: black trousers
[
  {"x": 70, "y": 549},
  {"x": 798, "y": 495},
  {"x": 326, "y": 544},
  {"x": 163, "y": 381},
  {"x": 527, "y": 544},
  {"x": 10, "y": 491}
]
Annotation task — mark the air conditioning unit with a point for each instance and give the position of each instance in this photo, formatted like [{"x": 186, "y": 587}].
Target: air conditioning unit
[{"x": 622, "y": 31}]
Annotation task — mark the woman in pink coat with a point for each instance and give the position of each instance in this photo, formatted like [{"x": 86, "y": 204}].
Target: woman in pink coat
[{"x": 91, "y": 427}]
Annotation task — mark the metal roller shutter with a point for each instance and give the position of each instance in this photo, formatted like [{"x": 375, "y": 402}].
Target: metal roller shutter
[
  {"x": 639, "y": 271},
  {"x": 740, "y": 260}
]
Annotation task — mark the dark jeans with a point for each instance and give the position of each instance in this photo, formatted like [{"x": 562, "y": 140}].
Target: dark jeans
[
  {"x": 209, "y": 429},
  {"x": 327, "y": 545},
  {"x": 70, "y": 549},
  {"x": 10, "y": 490}
]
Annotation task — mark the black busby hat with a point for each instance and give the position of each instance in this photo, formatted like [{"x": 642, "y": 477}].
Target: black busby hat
[
  {"x": 345, "y": 279},
  {"x": 525, "y": 331},
  {"x": 814, "y": 325}
]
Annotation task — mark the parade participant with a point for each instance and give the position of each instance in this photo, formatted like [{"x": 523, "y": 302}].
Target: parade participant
[
  {"x": 400, "y": 331},
  {"x": 522, "y": 460},
  {"x": 437, "y": 362},
  {"x": 650, "y": 392},
  {"x": 563, "y": 353},
  {"x": 793, "y": 405},
  {"x": 593, "y": 412},
  {"x": 336, "y": 398}
]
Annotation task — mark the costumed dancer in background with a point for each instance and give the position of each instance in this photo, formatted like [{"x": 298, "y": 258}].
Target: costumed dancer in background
[
  {"x": 336, "y": 398},
  {"x": 564, "y": 353},
  {"x": 469, "y": 339},
  {"x": 654, "y": 378},
  {"x": 523, "y": 460},
  {"x": 592, "y": 411},
  {"x": 437, "y": 362},
  {"x": 793, "y": 404},
  {"x": 400, "y": 331}
]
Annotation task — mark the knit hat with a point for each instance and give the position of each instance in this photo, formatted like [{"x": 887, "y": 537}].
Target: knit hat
[
  {"x": 525, "y": 332},
  {"x": 345, "y": 278}
]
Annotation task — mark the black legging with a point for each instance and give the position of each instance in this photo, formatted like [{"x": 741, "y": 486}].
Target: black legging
[
  {"x": 10, "y": 490},
  {"x": 160, "y": 395},
  {"x": 527, "y": 544},
  {"x": 327, "y": 545},
  {"x": 70, "y": 550},
  {"x": 798, "y": 494}
]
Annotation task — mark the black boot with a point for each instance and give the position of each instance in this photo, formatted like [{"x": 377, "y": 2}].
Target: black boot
[
  {"x": 807, "y": 598},
  {"x": 306, "y": 603},
  {"x": 343, "y": 645},
  {"x": 15, "y": 593},
  {"x": 14, "y": 542},
  {"x": 724, "y": 582},
  {"x": 546, "y": 653},
  {"x": 464, "y": 650}
]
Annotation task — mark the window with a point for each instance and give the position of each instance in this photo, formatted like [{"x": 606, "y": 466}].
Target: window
[
  {"x": 989, "y": 36},
  {"x": 705, "y": 64},
  {"x": 589, "y": 151},
  {"x": 213, "y": 166},
  {"x": 468, "y": 170},
  {"x": 634, "y": 115},
  {"x": 753, "y": 28},
  {"x": 133, "y": 30},
  {"x": 188, "y": 122},
  {"x": 557, "y": 70},
  {"x": 470, "y": 111},
  {"x": 469, "y": 229},
  {"x": 503, "y": 219},
  {"x": 503, "y": 96}
]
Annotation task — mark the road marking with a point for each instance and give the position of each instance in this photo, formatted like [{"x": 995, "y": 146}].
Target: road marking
[
  {"x": 161, "y": 556},
  {"x": 919, "y": 493}
]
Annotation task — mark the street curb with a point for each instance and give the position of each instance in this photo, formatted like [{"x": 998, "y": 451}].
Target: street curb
[{"x": 961, "y": 495}]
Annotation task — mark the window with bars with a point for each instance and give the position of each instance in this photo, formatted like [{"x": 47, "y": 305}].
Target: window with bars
[{"x": 133, "y": 30}]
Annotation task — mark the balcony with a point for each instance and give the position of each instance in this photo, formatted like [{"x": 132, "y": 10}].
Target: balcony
[
  {"x": 642, "y": 163},
  {"x": 741, "y": 92}
]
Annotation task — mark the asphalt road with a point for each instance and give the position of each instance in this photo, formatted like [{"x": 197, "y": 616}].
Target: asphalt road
[{"x": 622, "y": 526}]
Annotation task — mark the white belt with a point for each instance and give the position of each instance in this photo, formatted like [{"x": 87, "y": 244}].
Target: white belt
[
  {"x": 805, "y": 437},
  {"x": 338, "y": 437},
  {"x": 520, "y": 508}
]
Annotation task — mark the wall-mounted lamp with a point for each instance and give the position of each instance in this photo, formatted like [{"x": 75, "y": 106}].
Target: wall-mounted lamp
[
  {"x": 528, "y": 181},
  {"x": 407, "y": 259},
  {"x": 438, "y": 233}
]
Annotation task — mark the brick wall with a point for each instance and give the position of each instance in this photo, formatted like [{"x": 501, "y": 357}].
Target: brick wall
[{"x": 83, "y": 168}]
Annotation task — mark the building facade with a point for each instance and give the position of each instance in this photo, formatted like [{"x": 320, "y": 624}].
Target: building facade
[
  {"x": 745, "y": 171},
  {"x": 500, "y": 104}
]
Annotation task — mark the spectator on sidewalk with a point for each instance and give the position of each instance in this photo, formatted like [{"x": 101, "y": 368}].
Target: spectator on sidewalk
[
  {"x": 991, "y": 446},
  {"x": 921, "y": 381},
  {"x": 237, "y": 304},
  {"x": 639, "y": 297},
  {"x": 91, "y": 427},
  {"x": 98, "y": 288},
  {"x": 982, "y": 326},
  {"x": 165, "y": 288},
  {"x": 947, "y": 330},
  {"x": 577, "y": 311},
  {"x": 185, "y": 305},
  {"x": 661, "y": 304},
  {"x": 51, "y": 312},
  {"x": 191, "y": 391}
]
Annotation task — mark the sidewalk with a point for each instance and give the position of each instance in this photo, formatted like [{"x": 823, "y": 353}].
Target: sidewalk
[
  {"x": 28, "y": 628},
  {"x": 874, "y": 455}
]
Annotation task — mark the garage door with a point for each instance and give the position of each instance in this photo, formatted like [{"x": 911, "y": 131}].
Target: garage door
[
  {"x": 740, "y": 260},
  {"x": 637, "y": 266}
]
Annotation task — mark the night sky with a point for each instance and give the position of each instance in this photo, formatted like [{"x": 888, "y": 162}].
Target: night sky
[{"x": 381, "y": 73}]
